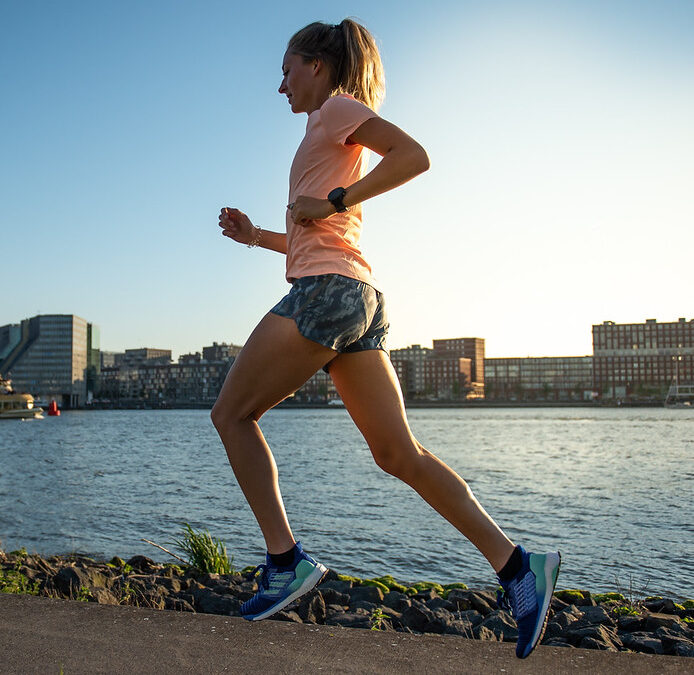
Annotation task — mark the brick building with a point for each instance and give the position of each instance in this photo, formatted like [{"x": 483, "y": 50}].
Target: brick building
[{"x": 641, "y": 360}]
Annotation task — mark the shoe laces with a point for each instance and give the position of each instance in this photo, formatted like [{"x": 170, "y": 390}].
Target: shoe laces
[{"x": 265, "y": 573}]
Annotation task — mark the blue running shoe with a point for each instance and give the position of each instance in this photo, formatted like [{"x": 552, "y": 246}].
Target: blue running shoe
[
  {"x": 278, "y": 586},
  {"x": 528, "y": 595}
]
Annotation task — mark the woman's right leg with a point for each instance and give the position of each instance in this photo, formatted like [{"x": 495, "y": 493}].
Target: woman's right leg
[{"x": 275, "y": 361}]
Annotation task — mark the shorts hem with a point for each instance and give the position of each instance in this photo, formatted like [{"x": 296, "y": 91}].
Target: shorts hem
[{"x": 303, "y": 332}]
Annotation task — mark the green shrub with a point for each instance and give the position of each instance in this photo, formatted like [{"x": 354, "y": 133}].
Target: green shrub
[
  {"x": 84, "y": 594},
  {"x": 204, "y": 552},
  {"x": 377, "y": 618},
  {"x": 626, "y": 610},
  {"x": 13, "y": 581}
]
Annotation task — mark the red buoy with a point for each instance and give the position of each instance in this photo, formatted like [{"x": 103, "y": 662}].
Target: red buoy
[{"x": 53, "y": 409}]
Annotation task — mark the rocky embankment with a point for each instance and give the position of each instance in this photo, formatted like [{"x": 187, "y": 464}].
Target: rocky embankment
[{"x": 605, "y": 621}]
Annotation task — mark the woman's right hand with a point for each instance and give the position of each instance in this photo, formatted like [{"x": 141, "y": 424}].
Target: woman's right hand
[{"x": 236, "y": 225}]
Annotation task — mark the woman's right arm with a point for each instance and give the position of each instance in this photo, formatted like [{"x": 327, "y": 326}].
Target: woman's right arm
[{"x": 237, "y": 226}]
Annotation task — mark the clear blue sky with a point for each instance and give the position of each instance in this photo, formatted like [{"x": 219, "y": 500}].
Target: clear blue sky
[{"x": 560, "y": 193}]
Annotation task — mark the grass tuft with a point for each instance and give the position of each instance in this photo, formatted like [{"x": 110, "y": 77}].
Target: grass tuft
[{"x": 204, "y": 552}]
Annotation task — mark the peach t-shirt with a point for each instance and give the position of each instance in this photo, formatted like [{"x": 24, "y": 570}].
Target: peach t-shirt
[{"x": 323, "y": 162}]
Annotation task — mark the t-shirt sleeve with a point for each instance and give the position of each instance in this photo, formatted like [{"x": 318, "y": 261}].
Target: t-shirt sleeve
[{"x": 341, "y": 116}]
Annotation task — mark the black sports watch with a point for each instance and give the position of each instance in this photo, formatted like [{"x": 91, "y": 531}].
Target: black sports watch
[{"x": 335, "y": 198}]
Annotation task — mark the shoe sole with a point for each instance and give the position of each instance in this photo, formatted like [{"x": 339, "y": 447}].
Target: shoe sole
[
  {"x": 311, "y": 581},
  {"x": 550, "y": 572}
]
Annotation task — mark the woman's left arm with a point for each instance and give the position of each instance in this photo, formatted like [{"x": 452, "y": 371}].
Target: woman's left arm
[{"x": 403, "y": 159}]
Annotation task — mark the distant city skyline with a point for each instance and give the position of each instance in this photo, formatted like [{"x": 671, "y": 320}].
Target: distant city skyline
[
  {"x": 175, "y": 355},
  {"x": 559, "y": 197}
]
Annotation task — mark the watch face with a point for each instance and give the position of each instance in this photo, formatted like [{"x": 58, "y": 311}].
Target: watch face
[{"x": 335, "y": 198}]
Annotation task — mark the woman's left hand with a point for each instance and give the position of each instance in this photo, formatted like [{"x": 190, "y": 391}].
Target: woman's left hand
[{"x": 305, "y": 210}]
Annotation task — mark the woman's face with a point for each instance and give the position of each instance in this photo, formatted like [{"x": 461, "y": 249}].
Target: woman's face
[{"x": 299, "y": 82}]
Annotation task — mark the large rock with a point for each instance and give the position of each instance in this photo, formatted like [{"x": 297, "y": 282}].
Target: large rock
[
  {"x": 470, "y": 615},
  {"x": 594, "y": 615},
  {"x": 460, "y": 627},
  {"x": 651, "y": 622},
  {"x": 426, "y": 595},
  {"x": 336, "y": 584},
  {"x": 439, "y": 620},
  {"x": 172, "y": 584},
  {"x": 629, "y": 623},
  {"x": 599, "y": 633},
  {"x": 502, "y": 625},
  {"x": 143, "y": 564},
  {"x": 350, "y": 620},
  {"x": 397, "y": 601},
  {"x": 440, "y": 603},
  {"x": 482, "y": 633},
  {"x": 103, "y": 596},
  {"x": 675, "y": 642},
  {"x": 311, "y": 608},
  {"x": 368, "y": 593},
  {"x": 333, "y": 597},
  {"x": 660, "y": 605},
  {"x": 416, "y": 617},
  {"x": 480, "y": 601},
  {"x": 69, "y": 580},
  {"x": 363, "y": 604},
  {"x": 642, "y": 642}
]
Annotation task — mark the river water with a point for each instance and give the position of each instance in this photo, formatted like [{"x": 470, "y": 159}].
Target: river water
[{"x": 611, "y": 488}]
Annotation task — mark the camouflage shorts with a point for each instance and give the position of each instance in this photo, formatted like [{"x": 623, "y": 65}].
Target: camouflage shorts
[{"x": 344, "y": 314}]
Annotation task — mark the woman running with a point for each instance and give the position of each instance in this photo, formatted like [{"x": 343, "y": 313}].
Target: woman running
[{"x": 334, "y": 317}]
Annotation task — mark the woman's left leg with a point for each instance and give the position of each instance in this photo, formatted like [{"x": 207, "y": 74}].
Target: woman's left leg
[{"x": 370, "y": 390}]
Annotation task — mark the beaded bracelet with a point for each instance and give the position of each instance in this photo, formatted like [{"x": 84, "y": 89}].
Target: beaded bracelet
[{"x": 256, "y": 238}]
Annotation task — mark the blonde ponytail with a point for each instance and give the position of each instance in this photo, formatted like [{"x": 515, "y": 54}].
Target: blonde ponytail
[{"x": 350, "y": 52}]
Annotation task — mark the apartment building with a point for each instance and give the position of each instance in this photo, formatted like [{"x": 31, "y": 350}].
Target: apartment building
[
  {"x": 642, "y": 360},
  {"x": 548, "y": 378}
]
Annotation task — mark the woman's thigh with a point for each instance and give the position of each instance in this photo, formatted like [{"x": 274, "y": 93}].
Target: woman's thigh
[
  {"x": 370, "y": 390},
  {"x": 275, "y": 361}
]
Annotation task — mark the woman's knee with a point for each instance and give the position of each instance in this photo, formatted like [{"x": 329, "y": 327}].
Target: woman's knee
[
  {"x": 399, "y": 459},
  {"x": 226, "y": 415}
]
